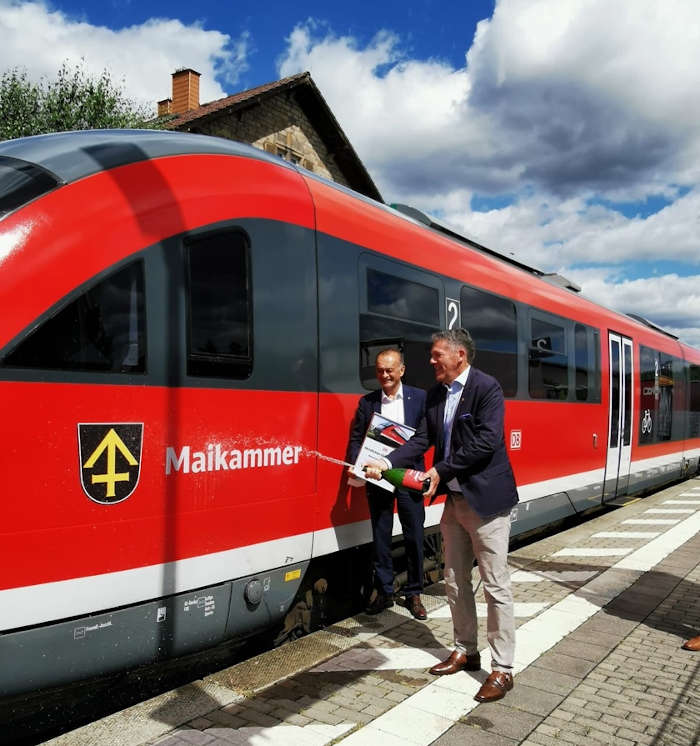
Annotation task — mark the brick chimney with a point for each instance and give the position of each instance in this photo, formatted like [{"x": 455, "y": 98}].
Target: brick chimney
[
  {"x": 185, "y": 91},
  {"x": 165, "y": 107}
]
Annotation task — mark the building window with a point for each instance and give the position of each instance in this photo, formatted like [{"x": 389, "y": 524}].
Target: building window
[
  {"x": 104, "y": 330},
  {"x": 219, "y": 307},
  {"x": 492, "y": 322},
  {"x": 284, "y": 151}
]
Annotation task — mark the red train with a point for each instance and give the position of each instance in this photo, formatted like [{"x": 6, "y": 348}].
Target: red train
[{"x": 187, "y": 320}]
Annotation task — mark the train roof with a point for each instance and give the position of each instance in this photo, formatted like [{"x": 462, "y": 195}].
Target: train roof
[
  {"x": 70, "y": 156},
  {"x": 425, "y": 221},
  {"x": 551, "y": 277}
]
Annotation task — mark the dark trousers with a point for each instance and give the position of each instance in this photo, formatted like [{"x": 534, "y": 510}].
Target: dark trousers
[{"x": 411, "y": 512}]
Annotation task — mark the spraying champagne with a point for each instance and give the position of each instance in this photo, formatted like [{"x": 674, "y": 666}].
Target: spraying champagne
[{"x": 407, "y": 479}]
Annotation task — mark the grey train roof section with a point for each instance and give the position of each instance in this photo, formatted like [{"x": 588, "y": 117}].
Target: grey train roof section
[{"x": 73, "y": 155}]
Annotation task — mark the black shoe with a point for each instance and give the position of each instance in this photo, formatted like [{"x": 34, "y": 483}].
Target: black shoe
[{"x": 379, "y": 603}]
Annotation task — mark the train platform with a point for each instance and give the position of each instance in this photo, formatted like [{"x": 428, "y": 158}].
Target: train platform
[{"x": 601, "y": 611}]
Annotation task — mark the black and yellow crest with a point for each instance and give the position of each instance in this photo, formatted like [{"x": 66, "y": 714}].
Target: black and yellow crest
[{"x": 110, "y": 459}]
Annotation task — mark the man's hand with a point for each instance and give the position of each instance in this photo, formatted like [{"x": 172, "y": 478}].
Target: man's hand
[
  {"x": 354, "y": 480},
  {"x": 434, "y": 481},
  {"x": 374, "y": 469}
]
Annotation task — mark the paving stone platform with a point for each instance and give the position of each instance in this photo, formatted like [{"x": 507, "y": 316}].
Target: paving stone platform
[{"x": 601, "y": 609}]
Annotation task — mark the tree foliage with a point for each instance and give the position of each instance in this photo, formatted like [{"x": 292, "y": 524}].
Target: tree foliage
[{"x": 74, "y": 100}]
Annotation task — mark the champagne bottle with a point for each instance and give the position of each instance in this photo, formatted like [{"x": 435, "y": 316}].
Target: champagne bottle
[{"x": 407, "y": 479}]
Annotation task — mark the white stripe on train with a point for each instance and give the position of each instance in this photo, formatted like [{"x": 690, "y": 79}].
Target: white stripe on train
[{"x": 48, "y": 602}]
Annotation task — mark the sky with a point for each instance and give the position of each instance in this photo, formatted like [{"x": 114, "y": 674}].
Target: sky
[{"x": 563, "y": 132}]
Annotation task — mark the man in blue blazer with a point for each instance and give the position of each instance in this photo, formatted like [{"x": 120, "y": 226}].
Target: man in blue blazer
[
  {"x": 464, "y": 421},
  {"x": 404, "y": 404}
]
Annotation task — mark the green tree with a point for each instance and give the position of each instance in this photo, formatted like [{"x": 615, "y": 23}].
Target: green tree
[{"x": 75, "y": 100}]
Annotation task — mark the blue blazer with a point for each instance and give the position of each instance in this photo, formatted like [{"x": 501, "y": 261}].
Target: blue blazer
[
  {"x": 413, "y": 411},
  {"x": 478, "y": 456}
]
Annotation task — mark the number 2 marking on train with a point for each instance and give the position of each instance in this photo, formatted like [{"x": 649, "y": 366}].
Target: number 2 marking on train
[{"x": 453, "y": 313}]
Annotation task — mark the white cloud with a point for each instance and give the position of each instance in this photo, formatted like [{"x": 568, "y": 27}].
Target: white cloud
[
  {"x": 39, "y": 38},
  {"x": 398, "y": 113},
  {"x": 550, "y": 232},
  {"x": 562, "y": 236},
  {"x": 563, "y": 95},
  {"x": 562, "y": 105},
  {"x": 606, "y": 86},
  {"x": 670, "y": 301}
]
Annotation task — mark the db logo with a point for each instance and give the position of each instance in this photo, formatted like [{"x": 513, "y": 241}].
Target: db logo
[{"x": 516, "y": 439}]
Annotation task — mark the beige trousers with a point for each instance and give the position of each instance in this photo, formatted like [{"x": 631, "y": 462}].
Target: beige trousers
[{"x": 468, "y": 536}]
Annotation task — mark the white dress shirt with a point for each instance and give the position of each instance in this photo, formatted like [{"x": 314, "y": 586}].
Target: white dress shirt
[
  {"x": 392, "y": 406},
  {"x": 454, "y": 394}
]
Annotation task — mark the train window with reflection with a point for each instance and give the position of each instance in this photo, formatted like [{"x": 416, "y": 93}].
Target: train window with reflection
[
  {"x": 587, "y": 363},
  {"x": 665, "y": 410},
  {"x": 491, "y": 321},
  {"x": 694, "y": 401},
  {"x": 401, "y": 314},
  {"x": 219, "y": 340},
  {"x": 649, "y": 379},
  {"x": 548, "y": 360},
  {"x": 661, "y": 413},
  {"x": 21, "y": 182},
  {"x": 103, "y": 329},
  {"x": 402, "y": 299}
]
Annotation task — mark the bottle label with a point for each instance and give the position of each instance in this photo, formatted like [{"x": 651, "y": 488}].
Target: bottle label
[{"x": 414, "y": 480}]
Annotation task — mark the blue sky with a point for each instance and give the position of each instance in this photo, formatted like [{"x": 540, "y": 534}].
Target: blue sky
[
  {"x": 429, "y": 28},
  {"x": 562, "y": 131}
]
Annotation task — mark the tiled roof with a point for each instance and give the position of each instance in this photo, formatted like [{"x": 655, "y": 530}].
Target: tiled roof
[{"x": 221, "y": 104}]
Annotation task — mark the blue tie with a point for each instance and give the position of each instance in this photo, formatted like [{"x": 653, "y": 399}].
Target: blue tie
[{"x": 450, "y": 407}]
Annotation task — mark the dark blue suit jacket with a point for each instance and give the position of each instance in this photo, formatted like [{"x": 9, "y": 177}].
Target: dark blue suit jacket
[
  {"x": 478, "y": 457},
  {"x": 413, "y": 411}
]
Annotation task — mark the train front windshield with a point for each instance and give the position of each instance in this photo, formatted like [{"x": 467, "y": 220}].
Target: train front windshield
[{"x": 21, "y": 182}]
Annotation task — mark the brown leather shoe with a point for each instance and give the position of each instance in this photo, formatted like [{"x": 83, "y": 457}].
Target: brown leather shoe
[
  {"x": 415, "y": 606},
  {"x": 495, "y": 687},
  {"x": 692, "y": 644},
  {"x": 457, "y": 661}
]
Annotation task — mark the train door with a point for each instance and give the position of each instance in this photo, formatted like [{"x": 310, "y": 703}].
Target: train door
[{"x": 619, "y": 449}]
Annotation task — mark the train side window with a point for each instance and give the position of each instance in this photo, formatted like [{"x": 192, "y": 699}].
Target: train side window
[
  {"x": 403, "y": 314},
  {"x": 402, "y": 299},
  {"x": 694, "y": 401},
  {"x": 587, "y": 363},
  {"x": 548, "y": 360},
  {"x": 219, "y": 342},
  {"x": 657, "y": 403},
  {"x": 649, "y": 379},
  {"x": 665, "y": 411},
  {"x": 102, "y": 330},
  {"x": 492, "y": 322},
  {"x": 627, "y": 421}
]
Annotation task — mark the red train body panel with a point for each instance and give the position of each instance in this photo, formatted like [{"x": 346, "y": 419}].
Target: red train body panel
[{"x": 222, "y": 486}]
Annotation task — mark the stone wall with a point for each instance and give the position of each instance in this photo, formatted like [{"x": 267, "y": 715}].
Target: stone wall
[{"x": 268, "y": 126}]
